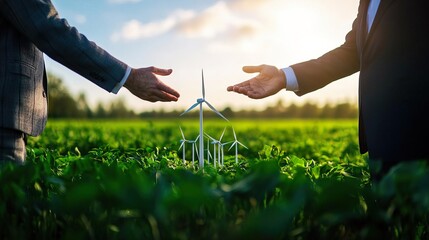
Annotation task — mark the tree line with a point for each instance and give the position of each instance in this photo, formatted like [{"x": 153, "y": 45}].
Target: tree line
[{"x": 62, "y": 104}]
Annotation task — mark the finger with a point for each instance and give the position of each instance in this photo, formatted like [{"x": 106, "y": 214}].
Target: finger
[
  {"x": 237, "y": 89},
  {"x": 250, "y": 93},
  {"x": 165, "y": 97},
  {"x": 239, "y": 85},
  {"x": 160, "y": 97},
  {"x": 243, "y": 90},
  {"x": 233, "y": 87},
  {"x": 168, "y": 98},
  {"x": 161, "y": 71},
  {"x": 240, "y": 90},
  {"x": 165, "y": 88},
  {"x": 252, "y": 69}
]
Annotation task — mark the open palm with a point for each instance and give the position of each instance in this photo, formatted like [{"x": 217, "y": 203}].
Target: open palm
[{"x": 269, "y": 81}]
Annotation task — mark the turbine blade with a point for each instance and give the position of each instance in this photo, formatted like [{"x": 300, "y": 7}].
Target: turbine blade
[
  {"x": 202, "y": 80},
  {"x": 211, "y": 138},
  {"x": 221, "y": 136},
  {"x": 241, "y": 144},
  {"x": 235, "y": 136},
  {"x": 196, "y": 150},
  {"x": 189, "y": 109},
  {"x": 183, "y": 135},
  {"x": 214, "y": 110},
  {"x": 232, "y": 145}
]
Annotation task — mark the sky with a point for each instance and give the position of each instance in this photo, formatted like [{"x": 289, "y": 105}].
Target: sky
[{"x": 218, "y": 37}]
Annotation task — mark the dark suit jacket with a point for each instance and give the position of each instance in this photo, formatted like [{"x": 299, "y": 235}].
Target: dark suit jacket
[
  {"x": 393, "y": 81},
  {"x": 29, "y": 28}
]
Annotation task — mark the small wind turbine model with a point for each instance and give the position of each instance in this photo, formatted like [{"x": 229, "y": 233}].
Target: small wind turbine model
[
  {"x": 183, "y": 144},
  {"x": 220, "y": 148},
  {"x": 214, "y": 142},
  {"x": 222, "y": 152},
  {"x": 200, "y": 102},
  {"x": 194, "y": 149},
  {"x": 209, "y": 155},
  {"x": 235, "y": 143},
  {"x": 218, "y": 144}
]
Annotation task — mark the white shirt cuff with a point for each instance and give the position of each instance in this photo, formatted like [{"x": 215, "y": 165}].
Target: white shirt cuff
[
  {"x": 118, "y": 86},
  {"x": 291, "y": 81}
]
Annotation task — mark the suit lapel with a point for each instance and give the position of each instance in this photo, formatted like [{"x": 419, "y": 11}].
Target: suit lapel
[
  {"x": 384, "y": 5},
  {"x": 361, "y": 24}
]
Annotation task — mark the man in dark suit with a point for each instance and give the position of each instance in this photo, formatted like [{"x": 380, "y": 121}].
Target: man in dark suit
[
  {"x": 29, "y": 28},
  {"x": 388, "y": 45}
]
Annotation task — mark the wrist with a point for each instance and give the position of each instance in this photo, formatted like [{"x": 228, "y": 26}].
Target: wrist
[
  {"x": 283, "y": 80},
  {"x": 129, "y": 80}
]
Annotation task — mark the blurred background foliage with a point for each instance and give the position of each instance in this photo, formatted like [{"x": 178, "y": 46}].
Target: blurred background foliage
[{"x": 63, "y": 104}]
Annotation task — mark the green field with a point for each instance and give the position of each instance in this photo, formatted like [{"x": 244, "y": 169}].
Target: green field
[{"x": 127, "y": 180}]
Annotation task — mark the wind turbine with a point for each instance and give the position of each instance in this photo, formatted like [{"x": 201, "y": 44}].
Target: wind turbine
[
  {"x": 235, "y": 143},
  {"x": 200, "y": 102},
  {"x": 194, "y": 149},
  {"x": 209, "y": 155},
  {"x": 215, "y": 143},
  {"x": 222, "y": 152},
  {"x": 218, "y": 144},
  {"x": 183, "y": 144}
]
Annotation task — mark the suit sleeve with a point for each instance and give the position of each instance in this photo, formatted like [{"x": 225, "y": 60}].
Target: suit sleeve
[
  {"x": 39, "y": 21},
  {"x": 333, "y": 65}
]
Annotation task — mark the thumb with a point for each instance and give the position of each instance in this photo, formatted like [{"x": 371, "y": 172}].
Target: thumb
[
  {"x": 252, "y": 69},
  {"x": 161, "y": 71}
]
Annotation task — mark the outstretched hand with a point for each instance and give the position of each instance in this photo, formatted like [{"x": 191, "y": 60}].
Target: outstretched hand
[
  {"x": 144, "y": 84},
  {"x": 269, "y": 81}
]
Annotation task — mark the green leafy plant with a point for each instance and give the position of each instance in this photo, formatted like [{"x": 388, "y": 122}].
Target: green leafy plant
[{"x": 127, "y": 180}]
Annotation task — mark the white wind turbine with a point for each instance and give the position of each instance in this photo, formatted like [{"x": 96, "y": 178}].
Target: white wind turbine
[
  {"x": 222, "y": 152},
  {"x": 209, "y": 155},
  {"x": 215, "y": 143},
  {"x": 183, "y": 144},
  {"x": 194, "y": 148},
  {"x": 218, "y": 144},
  {"x": 236, "y": 143},
  {"x": 200, "y": 102}
]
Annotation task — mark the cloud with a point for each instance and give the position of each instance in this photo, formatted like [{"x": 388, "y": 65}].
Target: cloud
[
  {"x": 234, "y": 25},
  {"x": 123, "y": 1},
  {"x": 246, "y": 5},
  {"x": 80, "y": 19},
  {"x": 215, "y": 22},
  {"x": 134, "y": 29},
  {"x": 206, "y": 24}
]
